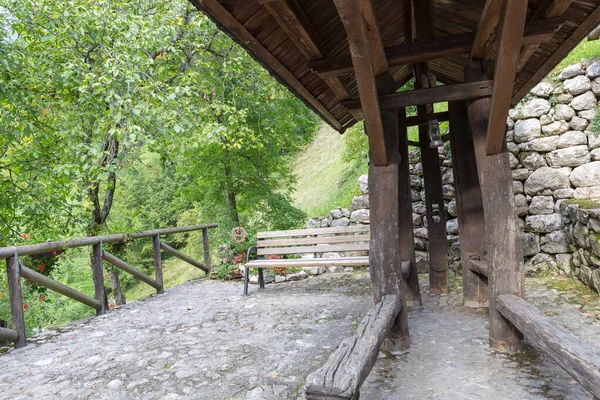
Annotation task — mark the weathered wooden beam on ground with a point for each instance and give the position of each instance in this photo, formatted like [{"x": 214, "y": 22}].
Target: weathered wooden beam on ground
[
  {"x": 369, "y": 61},
  {"x": 156, "y": 246},
  {"x": 469, "y": 205},
  {"x": 438, "y": 94},
  {"x": 579, "y": 359},
  {"x": 431, "y": 49},
  {"x": 98, "y": 278},
  {"x": 168, "y": 249},
  {"x": 8, "y": 335},
  {"x": 510, "y": 34},
  {"x": 405, "y": 220},
  {"x": 347, "y": 368},
  {"x": 117, "y": 262},
  {"x": 58, "y": 287},
  {"x": 16, "y": 299},
  {"x": 502, "y": 233}
]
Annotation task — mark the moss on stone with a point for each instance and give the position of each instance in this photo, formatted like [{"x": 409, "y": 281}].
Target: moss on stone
[{"x": 584, "y": 204}]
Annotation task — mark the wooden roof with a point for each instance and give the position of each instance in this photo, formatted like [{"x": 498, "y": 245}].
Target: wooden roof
[{"x": 289, "y": 37}]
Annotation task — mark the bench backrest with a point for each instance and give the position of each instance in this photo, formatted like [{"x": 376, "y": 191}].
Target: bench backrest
[{"x": 316, "y": 240}]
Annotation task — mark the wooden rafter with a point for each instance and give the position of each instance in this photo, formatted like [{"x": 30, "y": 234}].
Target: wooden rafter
[
  {"x": 510, "y": 33},
  {"x": 548, "y": 9},
  {"x": 236, "y": 30},
  {"x": 484, "y": 38},
  {"x": 565, "y": 48},
  {"x": 369, "y": 61}
]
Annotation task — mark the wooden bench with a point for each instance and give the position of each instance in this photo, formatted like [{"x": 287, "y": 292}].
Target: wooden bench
[{"x": 307, "y": 241}]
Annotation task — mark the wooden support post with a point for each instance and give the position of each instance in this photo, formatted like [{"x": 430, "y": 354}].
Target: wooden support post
[
  {"x": 98, "y": 277},
  {"x": 471, "y": 226},
  {"x": 158, "y": 263},
  {"x": 407, "y": 240},
  {"x": 206, "y": 249},
  {"x": 384, "y": 252},
  {"x": 16, "y": 300},
  {"x": 503, "y": 242}
]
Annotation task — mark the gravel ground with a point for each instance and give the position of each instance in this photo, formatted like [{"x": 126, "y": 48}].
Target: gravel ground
[{"x": 203, "y": 340}]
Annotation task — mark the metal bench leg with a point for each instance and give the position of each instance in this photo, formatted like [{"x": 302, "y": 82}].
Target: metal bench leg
[
  {"x": 261, "y": 278},
  {"x": 246, "y": 280}
]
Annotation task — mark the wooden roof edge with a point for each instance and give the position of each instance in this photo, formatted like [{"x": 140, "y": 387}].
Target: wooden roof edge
[
  {"x": 234, "y": 29},
  {"x": 563, "y": 50}
]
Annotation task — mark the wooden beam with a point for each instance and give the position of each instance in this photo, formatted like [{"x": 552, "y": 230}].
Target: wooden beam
[
  {"x": 579, "y": 359},
  {"x": 438, "y": 94},
  {"x": 347, "y": 368},
  {"x": 15, "y": 296},
  {"x": 548, "y": 9},
  {"x": 510, "y": 35},
  {"x": 424, "y": 119},
  {"x": 236, "y": 30},
  {"x": 117, "y": 262},
  {"x": 431, "y": 49},
  {"x": 486, "y": 30},
  {"x": 366, "y": 53},
  {"x": 569, "y": 44}
]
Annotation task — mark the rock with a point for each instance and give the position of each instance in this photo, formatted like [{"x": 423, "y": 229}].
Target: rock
[
  {"x": 544, "y": 144},
  {"x": 542, "y": 89},
  {"x": 546, "y": 119},
  {"x": 532, "y": 160},
  {"x": 593, "y": 140},
  {"x": 542, "y": 205},
  {"x": 563, "y": 261},
  {"x": 531, "y": 244},
  {"x": 593, "y": 71},
  {"x": 520, "y": 174},
  {"x": 416, "y": 182},
  {"x": 540, "y": 264},
  {"x": 360, "y": 202},
  {"x": 568, "y": 157},
  {"x": 510, "y": 124},
  {"x": 448, "y": 191},
  {"x": 363, "y": 183},
  {"x": 564, "y": 98},
  {"x": 420, "y": 244},
  {"x": 577, "y": 85},
  {"x": 256, "y": 393},
  {"x": 595, "y": 155},
  {"x": 346, "y": 213},
  {"x": 344, "y": 221},
  {"x": 588, "y": 114},
  {"x": 572, "y": 138},
  {"x": 513, "y": 114},
  {"x": 422, "y": 261},
  {"x": 571, "y": 71},
  {"x": 594, "y": 224},
  {"x": 585, "y": 101},
  {"x": 421, "y": 232},
  {"x": 578, "y": 123},
  {"x": 586, "y": 175},
  {"x": 510, "y": 135},
  {"x": 337, "y": 213},
  {"x": 448, "y": 177},
  {"x": 527, "y": 129},
  {"x": 547, "y": 178},
  {"x": 543, "y": 223},
  {"x": 521, "y": 207},
  {"x": 585, "y": 193},
  {"x": 556, "y": 242},
  {"x": 297, "y": 276},
  {"x": 563, "y": 112},
  {"x": 554, "y": 128},
  {"x": 580, "y": 232},
  {"x": 419, "y": 207},
  {"x": 360, "y": 216},
  {"x": 563, "y": 193},
  {"x": 513, "y": 148},
  {"x": 452, "y": 226},
  {"x": 596, "y": 86},
  {"x": 279, "y": 278},
  {"x": 512, "y": 160},
  {"x": 313, "y": 271},
  {"x": 451, "y": 208},
  {"x": 115, "y": 384},
  {"x": 416, "y": 219},
  {"x": 536, "y": 107},
  {"x": 518, "y": 187}
]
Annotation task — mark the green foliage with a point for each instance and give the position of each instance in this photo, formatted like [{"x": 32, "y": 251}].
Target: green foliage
[{"x": 584, "y": 50}]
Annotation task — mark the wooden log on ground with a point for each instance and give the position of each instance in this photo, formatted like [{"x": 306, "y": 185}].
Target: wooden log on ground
[
  {"x": 168, "y": 249},
  {"x": 347, "y": 368},
  {"x": 58, "y": 287},
  {"x": 206, "y": 248},
  {"x": 479, "y": 267},
  {"x": 8, "y": 335},
  {"x": 579, "y": 359},
  {"x": 117, "y": 262},
  {"x": 469, "y": 206},
  {"x": 156, "y": 246},
  {"x": 16, "y": 300},
  {"x": 98, "y": 277}
]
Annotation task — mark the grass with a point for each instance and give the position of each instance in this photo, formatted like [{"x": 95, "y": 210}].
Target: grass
[
  {"x": 325, "y": 180},
  {"x": 584, "y": 50}
]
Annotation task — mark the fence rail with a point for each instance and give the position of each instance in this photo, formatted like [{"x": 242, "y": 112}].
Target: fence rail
[{"x": 16, "y": 271}]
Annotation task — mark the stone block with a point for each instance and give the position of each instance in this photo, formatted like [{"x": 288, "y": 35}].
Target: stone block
[
  {"x": 563, "y": 112},
  {"x": 577, "y": 85},
  {"x": 585, "y": 101},
  {"x": 542, "y": 205},
  {"x": 568, "y": 157},
  {"x": 544, "y": 223},
  {"x": 528, "y": 129},
  {"x": 586, "y": 175},
  {"x": 556, "y": 242},
  {"x": 572, "y": 138},
  {"x": 547, "y": 178},
  {"x": 571, "y": 71},
  {"x": 360, "y": 216},
  {"x": 531, "y": 244},
  {"x": 363, "y": 183}
]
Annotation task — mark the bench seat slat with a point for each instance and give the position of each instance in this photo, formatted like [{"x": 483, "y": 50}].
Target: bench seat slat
[
  {"x": 314, "y": 249},
  {"x": 313, "y": 240},
  {"x": 314, "y": 231},
  {"x": 310, "y": 262}
]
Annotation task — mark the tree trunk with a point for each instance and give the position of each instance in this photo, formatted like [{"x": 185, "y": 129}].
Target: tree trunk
[
  {"x": 230, "y": 193},
  {"x": 115, "y": 285}
]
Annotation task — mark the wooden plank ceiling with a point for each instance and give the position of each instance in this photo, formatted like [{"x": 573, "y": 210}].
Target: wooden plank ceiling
[{"x": 304, "y": 43}]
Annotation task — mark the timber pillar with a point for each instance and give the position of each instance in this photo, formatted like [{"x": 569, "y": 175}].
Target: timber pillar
[
  {"x": 384, "y": 249},
  {"x": 469, "y": 206},
  {"x": 504, "y": 252}
]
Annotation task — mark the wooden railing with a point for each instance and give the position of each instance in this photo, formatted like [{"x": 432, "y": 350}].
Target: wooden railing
[{"x": 16, "y": 271}]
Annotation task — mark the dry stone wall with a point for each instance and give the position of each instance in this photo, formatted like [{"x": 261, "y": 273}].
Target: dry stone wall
[{"x": 555, "y": 159}]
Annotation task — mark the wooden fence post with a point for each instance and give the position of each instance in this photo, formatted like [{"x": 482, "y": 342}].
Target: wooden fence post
[
  {"x": 98, "y": 277},
  {"x": 16, "y": 299},
  {"x": 206, "y": 249},
  {"x": 158, "y": 263}
]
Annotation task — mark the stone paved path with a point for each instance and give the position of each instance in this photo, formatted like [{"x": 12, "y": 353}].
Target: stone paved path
[{"x": 203, "y": 340}]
